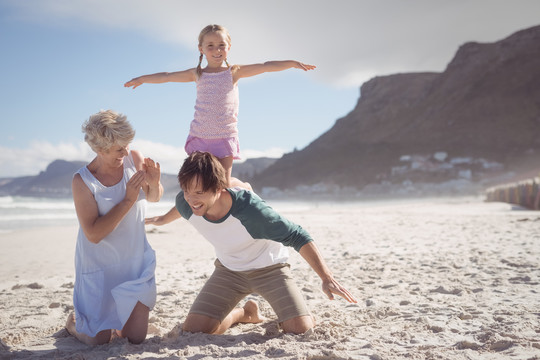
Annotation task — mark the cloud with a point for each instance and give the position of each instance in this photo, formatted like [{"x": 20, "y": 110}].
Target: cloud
[
  {"x": 35, "y": 158},
  {"x": 350, "y": 41},
  {"x": 169, "y": 157}
]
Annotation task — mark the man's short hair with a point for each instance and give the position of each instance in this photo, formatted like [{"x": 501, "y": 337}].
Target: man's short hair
[{"x": 204, "y": 168}]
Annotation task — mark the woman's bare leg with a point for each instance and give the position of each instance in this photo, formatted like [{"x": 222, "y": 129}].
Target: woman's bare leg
[{"x": 136, "y": 327}]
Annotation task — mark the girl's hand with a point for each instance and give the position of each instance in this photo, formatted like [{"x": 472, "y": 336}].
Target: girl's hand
[
  {"x": 304, "y": 67},
  {"x": 133, "y": 186},
  {"x": 133, "y": 82},
  {"x": 153, "y": 172}
]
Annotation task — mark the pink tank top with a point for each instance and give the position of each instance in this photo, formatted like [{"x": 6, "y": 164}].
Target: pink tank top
[{"x": 216, "y": 107}]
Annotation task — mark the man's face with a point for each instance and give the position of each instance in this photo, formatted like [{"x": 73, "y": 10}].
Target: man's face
[{"x": 199, "y": 200}]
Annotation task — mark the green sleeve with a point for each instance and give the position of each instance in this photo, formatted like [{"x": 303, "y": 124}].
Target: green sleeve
[{"x": 263, "y": 222}]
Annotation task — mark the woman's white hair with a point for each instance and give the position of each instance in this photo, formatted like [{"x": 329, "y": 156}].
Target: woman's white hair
[{"x": 106, "y": 129}]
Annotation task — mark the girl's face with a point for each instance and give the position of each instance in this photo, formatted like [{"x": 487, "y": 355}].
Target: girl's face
[{"x": 215, "y": 48}]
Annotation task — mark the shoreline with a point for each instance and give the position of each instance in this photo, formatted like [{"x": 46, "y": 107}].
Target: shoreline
[{"x": 441, "y": 278}]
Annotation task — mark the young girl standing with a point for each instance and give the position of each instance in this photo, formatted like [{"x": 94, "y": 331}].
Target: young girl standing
[{"x": 214, "y": 127}]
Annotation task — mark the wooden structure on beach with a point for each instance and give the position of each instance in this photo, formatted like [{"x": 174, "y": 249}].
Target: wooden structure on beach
[{"x": 525, "y": 193}]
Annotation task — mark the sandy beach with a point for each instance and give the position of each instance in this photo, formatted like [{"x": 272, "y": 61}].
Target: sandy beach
[{"x": 435, "y": 279}]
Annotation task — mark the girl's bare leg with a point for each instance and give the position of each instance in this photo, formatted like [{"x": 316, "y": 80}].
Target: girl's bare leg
[
  {"x": 227, "y": 163},
  {"x": 101, "y": 337}
]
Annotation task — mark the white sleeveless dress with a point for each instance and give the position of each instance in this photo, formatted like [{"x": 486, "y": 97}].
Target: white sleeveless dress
[{"x": 111, "y": 276}]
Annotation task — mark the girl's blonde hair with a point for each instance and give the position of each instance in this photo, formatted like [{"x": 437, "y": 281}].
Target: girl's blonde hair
[
  {"x": 211, "y": 29},
  {"x": 106, "y": 129}
]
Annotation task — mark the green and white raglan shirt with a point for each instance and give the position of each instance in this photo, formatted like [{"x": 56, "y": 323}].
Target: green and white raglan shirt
[{"x": 251, "y": 236}]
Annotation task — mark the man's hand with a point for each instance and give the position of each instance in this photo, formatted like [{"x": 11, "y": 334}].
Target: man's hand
[
  {"x": 331, "y": 287},
  {"x": 155, "y": 220},
  {"x": 170, "y": 216}
]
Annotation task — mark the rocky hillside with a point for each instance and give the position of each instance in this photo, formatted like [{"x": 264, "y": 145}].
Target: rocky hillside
[
  {"x": 480, "y": 116},
  {"x": 55, "y": 181}
]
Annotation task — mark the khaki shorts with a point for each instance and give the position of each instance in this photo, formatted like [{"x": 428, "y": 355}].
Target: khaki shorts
[{"x": 225, "y": 288}]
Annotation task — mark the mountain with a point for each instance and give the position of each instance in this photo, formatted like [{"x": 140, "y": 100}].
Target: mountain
[
  {"x": 55, "y": 181},
  {"x": 478, "y": 118}
]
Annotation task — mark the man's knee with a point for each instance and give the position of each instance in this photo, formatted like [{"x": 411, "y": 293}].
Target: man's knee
[
  {"x": 196, "y": 323},
  {"x": 298, "y": 325}
]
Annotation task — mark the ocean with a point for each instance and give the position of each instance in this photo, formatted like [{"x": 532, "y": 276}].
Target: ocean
[{"x": 17, "y": 212}]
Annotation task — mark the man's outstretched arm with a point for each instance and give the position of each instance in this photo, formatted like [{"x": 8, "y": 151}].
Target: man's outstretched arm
[
  {"x": 330, "y": 286},
  {"x": 170, "y": 216}
]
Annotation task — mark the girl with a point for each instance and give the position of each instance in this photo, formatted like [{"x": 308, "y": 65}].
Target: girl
[{"x": 214, "y": 127}]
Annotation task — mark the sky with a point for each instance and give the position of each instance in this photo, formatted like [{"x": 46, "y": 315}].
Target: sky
[{"x": 64, "y": 60}]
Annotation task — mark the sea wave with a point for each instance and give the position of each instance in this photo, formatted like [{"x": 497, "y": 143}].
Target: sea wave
[
  {"x": 33, "y": 217},
  {"x": 21, "y": 202},
  {"x": 18, "y": 212}
]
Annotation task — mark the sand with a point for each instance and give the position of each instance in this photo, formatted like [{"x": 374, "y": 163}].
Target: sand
[{"x": 435, "y": 279}]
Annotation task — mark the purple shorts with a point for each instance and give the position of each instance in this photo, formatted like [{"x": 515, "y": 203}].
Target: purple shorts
[{"x": 220, "y": 148}]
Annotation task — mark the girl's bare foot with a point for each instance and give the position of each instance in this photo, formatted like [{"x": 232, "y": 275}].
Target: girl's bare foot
[{"x": 251, "y": 313}]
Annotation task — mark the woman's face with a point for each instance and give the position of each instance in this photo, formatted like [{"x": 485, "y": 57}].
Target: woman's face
[{"x": 114, "y": 156}]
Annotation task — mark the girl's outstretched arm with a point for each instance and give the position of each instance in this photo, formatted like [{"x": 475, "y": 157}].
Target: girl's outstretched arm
[
  {"x": 163, "y": 77},
  {"x": 243, "y": 71}
]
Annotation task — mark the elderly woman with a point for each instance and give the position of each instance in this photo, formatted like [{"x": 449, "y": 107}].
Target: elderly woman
[{"x": 114, "y": 285}]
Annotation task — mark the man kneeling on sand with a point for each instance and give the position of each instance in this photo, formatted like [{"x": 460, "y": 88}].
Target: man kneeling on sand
[{"x": 250, "y": 241}]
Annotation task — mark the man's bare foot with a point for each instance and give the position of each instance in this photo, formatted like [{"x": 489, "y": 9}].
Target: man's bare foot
[{"x": 251, "y": 313}]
